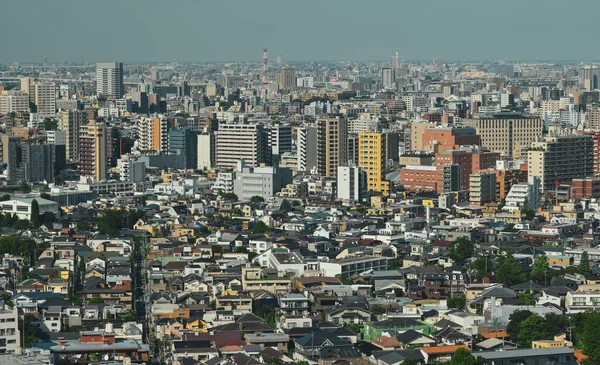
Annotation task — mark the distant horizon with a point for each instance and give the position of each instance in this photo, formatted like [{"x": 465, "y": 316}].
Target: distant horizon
[
  {"x": 273, "y": 63},
  {"x": 312, "y": 30}
]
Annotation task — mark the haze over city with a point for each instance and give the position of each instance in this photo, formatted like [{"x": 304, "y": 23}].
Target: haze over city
[{"x": 156, "y": 30}]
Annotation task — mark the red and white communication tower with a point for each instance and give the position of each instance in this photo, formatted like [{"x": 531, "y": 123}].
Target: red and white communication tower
[{"x": 265, "y": 67}]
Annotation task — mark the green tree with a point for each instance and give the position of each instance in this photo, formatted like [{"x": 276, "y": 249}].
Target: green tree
[
  {"x": 4, "y": 197},
  {"x": 273, "y": 360},
  {"x": 260, "y": 227},
  {"x": 540, "y": 269},
  {"x": 257, "y": 199},
  {"x": 589, "y": 337},
  {"x": 532, "y": 329},
  {"x": 514, "y": 322},
  {"x": 127, "y": 316},
  {"x": 50, "y": 124},
  {"x": 409, "y": 362},
  {"x": 59, "y": 180},
  {"x": 482, "y": 267},
  {"x": 462, "y": 356},
  {"x": 45, "y": 196},
  {"x": 286, "y": 206},
  {"x": 24, "y": 187},
  {"x": 584, "y": 264},
  {"x": 216, "y": 249},
  {"x": 96, "y": 299},
  {"x": 35, "y": 214},
  {"x": 461, "y": 249},
  {"x": 457, "y": 303},
  {"x": 32, "y": 332},
  {"x": 83, "y": 226},
  {"x": 508, "y": 271}
]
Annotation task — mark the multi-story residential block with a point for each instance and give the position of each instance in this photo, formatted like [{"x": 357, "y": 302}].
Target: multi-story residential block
[
  {"x": 109, "y": 79},
  {"x": 241, "y": 142},
  {"x": 561, "y": 159},
  {"x": 306, "y": 148},
  {"x": 482, "y": 187},
  {"x": 331, "y": 146},
  {"x": 152, "y": 134},
  {"x": 351, "y": 183},
  {"x": 508, "y": 133},
  {"x": 69, "y": 122}
]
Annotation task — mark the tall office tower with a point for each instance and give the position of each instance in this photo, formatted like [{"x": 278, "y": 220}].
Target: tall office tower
[
  {"x": 508, "y": 133},
  {"x": 184, "y": 142},
  {"x": 59, "y": 140},
  {"x": 206, "y": 151},
  {"x": 13, "y": 102},
  {"x": 373, "y": 156},
  {"x": 69, "y": 122},
  {"x": 280, "y": 139},
  {"x": 109, "y": 79},
  {"x": 589, "y": 77},
  {"x": 41, "y": 163},
  {"x": 306, "y": 144},
  {"x": 42, "y": 96},
  {"x": 561, "y": 158},
  {"x": 388, "y": 77},
  {"x": 241, "y": 142},
  {"x": 352, "y": 149},
  {"x": 152, "y": 134},
  {"x": 92, "y": 151},
  {"x": 332, "y": 149},
  {"x": 27, "y": 159},
  {"x": 351, "y": 183},
  {"x": 287, "y": 78}
]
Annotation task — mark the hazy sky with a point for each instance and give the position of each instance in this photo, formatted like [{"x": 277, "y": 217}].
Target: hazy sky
[{"x": 231, "y": 30}]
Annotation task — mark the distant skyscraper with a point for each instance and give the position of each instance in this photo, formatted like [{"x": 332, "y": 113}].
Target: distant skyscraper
[
  {"x": 109, "y": 79},
  {"x": 589, "y": 77},
  {"x": 394, "y": 65},
  {"x": 387, "y": 78},
  {"x": 287, "y": 78}
]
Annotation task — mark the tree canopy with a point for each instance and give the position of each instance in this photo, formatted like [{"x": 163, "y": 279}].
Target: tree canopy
[
  {"x": 508, "y": 271},
  {"x": 461, "y": 249},
  {"x": 260, "y": 227},
  {"x": 540, "y": 269}
]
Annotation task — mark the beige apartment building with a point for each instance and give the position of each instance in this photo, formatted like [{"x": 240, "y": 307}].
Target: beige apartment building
[
  {"x": 332, "y": 139},
  {"x": 508, "y": 133}
]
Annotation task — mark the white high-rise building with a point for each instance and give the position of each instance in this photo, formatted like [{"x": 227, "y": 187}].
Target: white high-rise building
[
  {"x": 109, "y": 79},
  {"x": 307, "y": 148},
  {"x": 387, "y": 78},
  {"x": 351, "y": 183},
  {"x": 69, "y": 122},
  {"x": 241, "y": 142},
  {"x": 206, "y": 151},
  {"x": 524, "y": 193}
]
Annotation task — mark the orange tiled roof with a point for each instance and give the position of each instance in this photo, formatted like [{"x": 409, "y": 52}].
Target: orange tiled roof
[
  {"x": 386, "y": 341},
  {"x": 231, "y": 348},
  {"x": 498, "y": 334},
  {"x": 579, "y": 356},
  {"x": 430, "y": 350}
]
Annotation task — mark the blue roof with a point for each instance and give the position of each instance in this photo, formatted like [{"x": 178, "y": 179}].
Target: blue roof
[{"x": 38, "y": 295}]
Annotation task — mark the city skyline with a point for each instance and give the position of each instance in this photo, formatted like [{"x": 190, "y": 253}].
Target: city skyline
[{"x": 236, "y": 31}]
